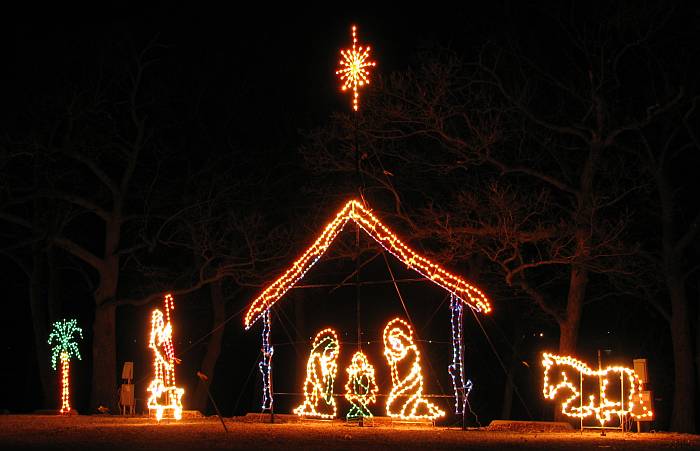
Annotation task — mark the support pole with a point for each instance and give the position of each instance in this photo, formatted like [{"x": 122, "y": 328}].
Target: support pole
[
  {"x": 265, "y": 366},
  {"x": 205, "y": 380},
  {"x": 456, "y": 368}
]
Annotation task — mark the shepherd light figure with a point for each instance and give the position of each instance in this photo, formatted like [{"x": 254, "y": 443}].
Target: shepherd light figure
[{"x": 165, "y": 395}]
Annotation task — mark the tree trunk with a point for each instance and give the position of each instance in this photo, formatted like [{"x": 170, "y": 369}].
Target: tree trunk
[
  {"x": 507, "y": 405},
  {"x": 104, "y": 358},
  {"x": 208, "y": 366},
  {"x": 697, "y": 345},
  {"x": 683, "y": 416},
  {"x": 104, "y": 345},
  {"x": 569, "y": 327},
  {"x": 65, "y": 384},
  {"x": 54, "y": 285},
  {"x": 40, "y": 324}
]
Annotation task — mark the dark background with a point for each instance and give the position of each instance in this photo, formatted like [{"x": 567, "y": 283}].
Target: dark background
[{"x": 256, "y": 77}]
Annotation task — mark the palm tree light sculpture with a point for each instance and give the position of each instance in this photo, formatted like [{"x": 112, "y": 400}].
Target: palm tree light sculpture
[{"x": 62, "y": 339}]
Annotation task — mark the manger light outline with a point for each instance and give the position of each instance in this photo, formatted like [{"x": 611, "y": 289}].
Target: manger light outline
[
  {"x": 62, "y": 333},
  {"x": 361, "y": 387},
  {"x": 605, "y": 408},
  {"x": 354, "y": 68},
  {"x": 163, "y": 382},
  {"x": 398, "y": 344},
  {"x": 318, "y": 388},
  {"x": 363, "y": 217}
]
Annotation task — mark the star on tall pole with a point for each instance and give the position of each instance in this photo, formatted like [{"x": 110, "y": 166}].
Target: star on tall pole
[{"x": 354, "y": 68}]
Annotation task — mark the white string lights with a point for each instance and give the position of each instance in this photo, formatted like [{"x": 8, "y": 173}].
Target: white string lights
[
  {"x": 321, "y": 370},
  {"x": 361, "y": 388},
  {"x": 569, "y": 386},
  {"x": 406, "y": 399},
  {"x": 165, "y": 395},
  {"x": 61, "y": 337},
  {"x": 265, "y": 364},
  {"x": 354, "y": 66},
  {"x": 456, "y": 368},
  {"x": 354, "y": 210}
]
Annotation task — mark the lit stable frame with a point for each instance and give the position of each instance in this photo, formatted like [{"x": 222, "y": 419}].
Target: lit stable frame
[
  {"x": 406, "y": 399},
  {"x": 321, "y": 369},
  {"x": 363, "y": 217},
  {"x": 165, "y": 395},
  {"x": 361, "y": 388},
  {"x": 61, "y": 338},
  {"x": 354, "y": 68},
  {"x": 564, "y": 377}
]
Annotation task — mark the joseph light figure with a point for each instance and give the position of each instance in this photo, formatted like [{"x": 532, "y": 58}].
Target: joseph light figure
[
  {"x": 321, "y": 369},
  {"x": 406, "y": 399}
]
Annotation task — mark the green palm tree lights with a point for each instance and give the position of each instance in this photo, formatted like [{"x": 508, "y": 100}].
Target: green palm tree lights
[{"x": 62, "y": 339}]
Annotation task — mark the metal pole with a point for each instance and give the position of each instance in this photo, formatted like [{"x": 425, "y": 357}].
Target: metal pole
[
  {"x": 205, "y": 380},
  {"x": 622, "y": 401}
]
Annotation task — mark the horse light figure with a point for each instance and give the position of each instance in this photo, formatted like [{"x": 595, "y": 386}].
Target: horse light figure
[
  {"x": 570, "y": 386},
  {"x": 406, "y": 376},
  {"x": 321, "y": 369}
]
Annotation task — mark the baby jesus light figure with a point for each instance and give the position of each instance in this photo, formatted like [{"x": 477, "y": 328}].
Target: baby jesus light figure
[{"x": 361, "y": 388}]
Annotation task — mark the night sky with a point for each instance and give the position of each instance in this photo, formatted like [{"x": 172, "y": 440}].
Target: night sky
[{"x": 251, "y": 81}]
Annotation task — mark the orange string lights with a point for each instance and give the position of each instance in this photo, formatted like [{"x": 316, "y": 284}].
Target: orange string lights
[
  {"x": 165, "y": 395},
  {"x": 321, "y": 369},
  {"x": 354, "y": 210},
  {"x": 353, "y": 70},
  {"x": 401, "y": 353},
  {"x": 571, "y": 369}
]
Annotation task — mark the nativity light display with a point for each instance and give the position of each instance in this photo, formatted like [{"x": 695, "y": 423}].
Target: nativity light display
[
  {"x": 406, "y": 401},
  {"x": 321, "y": 370},
  {"x": 61, "y": 339},
  {"x": 564, "y": 377},
  {"x": 354, "y": 68},
  {"x": 361, "y": 388},
  {"x": 165, "y": 394},
  {"x": 355, "y": 211}
]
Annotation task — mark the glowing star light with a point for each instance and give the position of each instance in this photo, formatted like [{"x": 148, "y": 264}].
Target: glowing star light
[
  {"x": 61, "y": 338},
  {"x": 354, "y": 66},
  {"x": 406, "y": 399},
  {"x": 361, "y": 388},
  {"x": 165, "y": 395},
  {"x": 571, "y": 389},
  {"x": 321, "y": 369}
]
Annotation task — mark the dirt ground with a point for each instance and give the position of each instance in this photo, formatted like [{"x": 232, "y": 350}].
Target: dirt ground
[{"x": 140, "y": 433}]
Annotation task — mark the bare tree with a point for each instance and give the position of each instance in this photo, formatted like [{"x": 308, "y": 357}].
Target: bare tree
[
  {"x": 93, "y": 145},
  {"x": 523, "y": 157}
]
